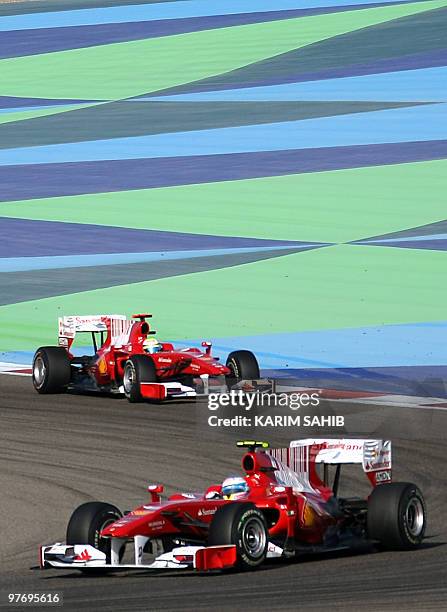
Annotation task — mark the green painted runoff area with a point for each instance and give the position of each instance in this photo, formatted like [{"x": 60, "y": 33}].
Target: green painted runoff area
[
  {"x": 332, "y": 287},
  {"x": 39, "y": 112},
  {"x": 127, "y": 69},
  {"x": 335, "y": 206}
]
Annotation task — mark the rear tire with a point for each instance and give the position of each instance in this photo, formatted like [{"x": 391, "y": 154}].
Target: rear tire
[
  {"x": 51, "y": 369},
  {"x": 243, "y": 525},
  {"x": 138, "y": 369},
  {"x": 397, "y": 515},
  {"x": 243, "y": 366},
  {"x": 87, "y": 522}
]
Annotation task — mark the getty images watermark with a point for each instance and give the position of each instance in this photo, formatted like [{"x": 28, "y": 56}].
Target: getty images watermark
[
  {"x": 238, "y": 398},
  {"x": 245, "y": 408}
]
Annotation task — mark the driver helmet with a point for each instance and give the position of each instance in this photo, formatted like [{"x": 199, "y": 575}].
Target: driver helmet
[
  {"x": 152, "y": 345},
  {"x": 234, "y": 487}
]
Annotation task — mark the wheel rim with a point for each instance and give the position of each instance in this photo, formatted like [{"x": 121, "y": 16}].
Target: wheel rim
[
  {"x": 254, "y": 537},
  {"x": 129, "y": 378},
  {"x": 414, "y": 516},
  {"x": 39, "y": 371}
]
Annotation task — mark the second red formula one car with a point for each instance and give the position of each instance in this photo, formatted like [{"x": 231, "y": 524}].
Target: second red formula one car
[
  {"x": 128, "y": 359},
  {"x": 283, "y": 506}
]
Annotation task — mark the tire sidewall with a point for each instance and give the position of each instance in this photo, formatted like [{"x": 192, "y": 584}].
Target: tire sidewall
[
  {"x": 87, "y": 522},
  {"x": 233, "y": 365},
  {"x": 245, "y": 558},
  {"x": 143, "y": 370},
  {"x": 243, "y": 365},
  {"x": 386, "y": 519},
  {"x": 100, "y": 521},
  {"x": 57, "y": 374}
]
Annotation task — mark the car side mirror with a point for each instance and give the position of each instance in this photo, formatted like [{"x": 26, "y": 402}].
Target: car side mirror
[
  {"x": 155, "y": 490},
  {"x": 207, "y": 346}
]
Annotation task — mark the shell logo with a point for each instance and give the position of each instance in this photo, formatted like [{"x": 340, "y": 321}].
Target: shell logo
[
  {"x": 308, "y": 516},
  {"x": 102, "y": 366}
]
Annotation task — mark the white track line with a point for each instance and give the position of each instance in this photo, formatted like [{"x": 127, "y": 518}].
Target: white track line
[{"x": 13, "y": 369}]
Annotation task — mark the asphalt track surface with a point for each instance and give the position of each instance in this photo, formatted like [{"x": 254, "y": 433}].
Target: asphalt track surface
[{"x": 60, "y": 451}]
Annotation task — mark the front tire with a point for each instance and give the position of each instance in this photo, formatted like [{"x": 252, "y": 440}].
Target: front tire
[
  {"x": 397, "y": 515},
  {"x": 87, "y": 522},
  {"x": 138, "y": 369},
  {"x": 243, "y": 365},
  {"x": 243, "y": 525},
  {"x": 51, "y": 369}
]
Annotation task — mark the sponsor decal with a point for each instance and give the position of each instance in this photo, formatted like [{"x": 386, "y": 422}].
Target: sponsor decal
[
  {"x": 339, "y": 445},
  {"x": 206, "y": 511},
  {"x": 273, "y": 550},
  {"x": 382, "y": 463},
  {"x": 374, "y": 467},
  {"x": 383, "y": 476},
  {"x": 157, "y": 524},
  {"x": 164, "y": 360},
  {"x": 140, "y": 512}
]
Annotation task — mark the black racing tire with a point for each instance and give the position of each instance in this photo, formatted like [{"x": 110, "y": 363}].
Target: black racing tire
[
  {"x": 138, "y": 369},
  {"x": 243, "y": 366},
  {"x": 51, "y": 371},
  {"x": 397, "y": 516},
  {"x": 244, "y": 526},
  {"x": 87, "y": 522}
]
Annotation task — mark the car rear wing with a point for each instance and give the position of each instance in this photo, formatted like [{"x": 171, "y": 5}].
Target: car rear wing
[
  {"x": 69, "y": 326},
  {"x": 371, "y": 454},
  {"x": 297, "y": 463}
]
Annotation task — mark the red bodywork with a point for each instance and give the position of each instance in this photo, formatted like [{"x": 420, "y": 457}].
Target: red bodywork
[
  {"x": 310, "y": 516},
  {"x": 121, "y": 339},
  {"x": 285, "y": 508}
]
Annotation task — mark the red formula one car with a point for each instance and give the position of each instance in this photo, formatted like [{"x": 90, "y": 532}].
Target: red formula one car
[
  {"x": 128, "y": 359},
  {"x": 283, "y": 506}
]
